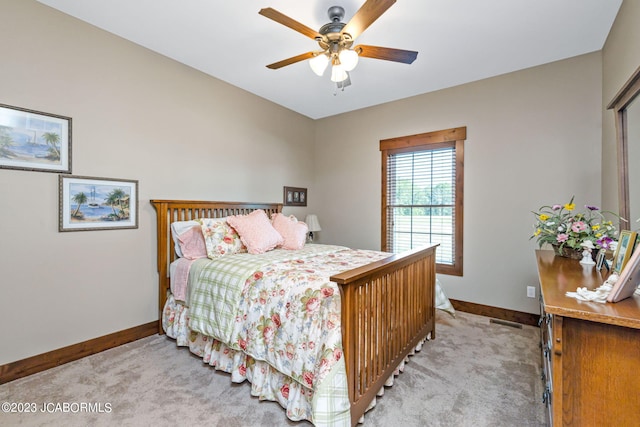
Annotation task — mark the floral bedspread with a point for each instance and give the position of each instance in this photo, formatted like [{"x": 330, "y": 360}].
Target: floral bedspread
[
  {"x": 285, "y": 332},
  {"x": 286, "y": 313}
]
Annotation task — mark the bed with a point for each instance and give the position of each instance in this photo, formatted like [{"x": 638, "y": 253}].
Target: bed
[{"x": 386, "y": 311}]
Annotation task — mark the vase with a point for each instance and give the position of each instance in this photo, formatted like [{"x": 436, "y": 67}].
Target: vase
[{"x": 567, "y": 252}]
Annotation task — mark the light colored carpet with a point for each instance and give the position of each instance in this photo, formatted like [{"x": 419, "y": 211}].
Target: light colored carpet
[{"x": 475, "y": 373}]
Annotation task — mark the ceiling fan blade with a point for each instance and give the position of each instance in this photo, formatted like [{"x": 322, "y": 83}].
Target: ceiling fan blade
[
  {"x": 291, "y": 60},
  {"x": 365, "y": 16},
  {"x": 386, "y": 53},
  {"x": 288, "y": 22}
]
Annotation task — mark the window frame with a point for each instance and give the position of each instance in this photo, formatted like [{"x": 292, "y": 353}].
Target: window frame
[{"x": 453, "y": 137}]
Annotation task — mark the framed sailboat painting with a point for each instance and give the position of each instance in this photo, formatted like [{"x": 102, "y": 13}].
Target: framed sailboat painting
[
  {"x": 34, "y": 141},
  {"x": 89, "y": 203}
]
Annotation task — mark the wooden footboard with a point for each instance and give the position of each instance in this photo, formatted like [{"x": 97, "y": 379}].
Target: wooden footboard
[{"x": 388, "y": 307}]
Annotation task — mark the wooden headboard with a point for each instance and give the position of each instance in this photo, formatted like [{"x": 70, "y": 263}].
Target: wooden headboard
[{"x": 168, "y": 211}]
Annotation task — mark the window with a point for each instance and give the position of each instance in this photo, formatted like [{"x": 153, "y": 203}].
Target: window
[{"x": 422, "y": 180}]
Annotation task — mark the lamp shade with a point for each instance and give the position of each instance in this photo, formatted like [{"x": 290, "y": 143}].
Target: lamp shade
[
  {"x": 348, "y": 59},
  {"x": 338, "y": 74},
  {"x": 312, "y": 222},
  {"x": 319, "y": 63}
]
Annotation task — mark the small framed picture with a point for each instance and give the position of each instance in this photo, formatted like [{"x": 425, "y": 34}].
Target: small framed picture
[
  {"x": 601, "y": 260},
  {"x": 626, "y": 243},
  {"x": 295, "y": 196},
  {"x": 34, "y": 141},
  {"x": 88, "y": 203}
]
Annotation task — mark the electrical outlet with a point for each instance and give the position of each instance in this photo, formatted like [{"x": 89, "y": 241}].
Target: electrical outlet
[{"x": 531, "y": 291}]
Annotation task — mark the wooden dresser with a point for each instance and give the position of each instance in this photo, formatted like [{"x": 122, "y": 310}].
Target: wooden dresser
[{"x": 590, "y": 351}]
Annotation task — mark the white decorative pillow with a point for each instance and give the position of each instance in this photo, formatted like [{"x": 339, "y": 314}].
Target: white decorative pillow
[
  {"x": 293, "y": 232},
  {"x": 220, "y": 239},
  {"x": 256, "y": 231},
  {"x": 177, "y": 228}
]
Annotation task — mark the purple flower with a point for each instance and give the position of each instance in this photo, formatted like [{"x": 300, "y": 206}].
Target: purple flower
[
  {"x": 604, "y": 242},
  {"x": 592, "y": 208},
  {"x": 556, "y": 207}
]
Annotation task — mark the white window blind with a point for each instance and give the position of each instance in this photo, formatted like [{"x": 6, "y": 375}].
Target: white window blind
[{"x": 421, "y": 201}]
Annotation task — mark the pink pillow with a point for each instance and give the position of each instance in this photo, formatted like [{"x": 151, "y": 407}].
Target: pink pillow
[
  {"x": 256, "y": 231},
  {"x": 192, "y": 243},
  {"x": 293, "y": 231}
]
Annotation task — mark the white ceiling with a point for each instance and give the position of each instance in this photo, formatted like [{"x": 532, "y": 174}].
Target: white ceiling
[{"x": 458, "y": 41}]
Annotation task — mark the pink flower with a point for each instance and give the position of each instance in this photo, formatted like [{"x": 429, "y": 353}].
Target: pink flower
[
  {"x": 267, "y": 333},
  {"x": 290, "y": 350},
  {"x": 243, "y": 370},
  {"x": 276, "y": 320},
  {"x": 308, "y": 378},
  {"x": 263, "y": 297},
  {"x": 284, "y": 391},
  {"x": 562, "y": 237},
  {"x": 327, "y": 292},
  {"x": 312, "y": 304},
  {"x": 242, "y": 343},
  {"x": 578, "y": 226},
  {"x": 337, "y": 354}
]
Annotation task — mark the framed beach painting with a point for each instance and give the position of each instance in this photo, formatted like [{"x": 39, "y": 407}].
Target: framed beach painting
[
  {"x": 89, "y": 203},
  {"x": 34, "y": 141}
]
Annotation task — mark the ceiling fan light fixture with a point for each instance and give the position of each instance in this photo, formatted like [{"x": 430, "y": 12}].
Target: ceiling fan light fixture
[
  {"x": 319, "y": 63},
  {"x": 338, "y": 73},
  {"x": 336, "y": 39},
  {"x": 348, "y": 59}
]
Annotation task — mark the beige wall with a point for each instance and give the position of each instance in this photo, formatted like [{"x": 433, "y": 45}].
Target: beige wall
[
  {"x": 621, "y": 57},
  {"x": 136, "y": 115},
  {"x": 533, "y": 138}
]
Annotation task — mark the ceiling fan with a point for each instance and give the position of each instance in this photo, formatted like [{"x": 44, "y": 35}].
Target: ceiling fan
[{"x": 336, "y": 40}]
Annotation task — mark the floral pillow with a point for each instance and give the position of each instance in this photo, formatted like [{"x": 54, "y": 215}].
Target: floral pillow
[
  {"x": 192, "y": 244},
  {"x": 293, "y": 232},
  {"x": 256, "y": 231},
  {"x": 220, "y": 239}
]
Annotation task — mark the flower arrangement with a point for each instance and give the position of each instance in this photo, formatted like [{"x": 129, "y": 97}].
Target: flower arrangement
[{"x": 562, "y": 226}]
